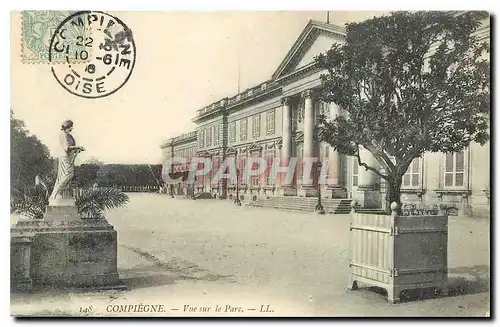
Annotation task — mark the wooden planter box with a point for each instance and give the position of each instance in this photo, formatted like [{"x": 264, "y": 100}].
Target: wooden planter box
[{"x": 399, "y": 252}]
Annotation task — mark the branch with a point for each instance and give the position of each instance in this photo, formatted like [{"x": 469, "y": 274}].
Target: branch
[
  {"x": 389, "y": 166},
  {"x": 366, "y": 91},
  {"x": 362, "y": 164},
  {"x": 398, "y": 98}
]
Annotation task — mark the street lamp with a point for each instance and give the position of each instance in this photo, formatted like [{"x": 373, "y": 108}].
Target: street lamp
[
  {"x": 237, "y": 199},
  {"x": 319, "y": 207}
]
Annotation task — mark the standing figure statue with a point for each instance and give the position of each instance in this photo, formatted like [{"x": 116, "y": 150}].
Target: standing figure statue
[{"x": 66, "y": 164}]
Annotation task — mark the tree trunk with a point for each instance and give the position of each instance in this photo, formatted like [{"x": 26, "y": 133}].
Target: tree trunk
[{"x": 394, "y": 192}]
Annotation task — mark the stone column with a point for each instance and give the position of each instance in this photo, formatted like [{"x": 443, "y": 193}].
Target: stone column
[
  {"x": 367, "y": 179},
  {"x": 334, "y": 165},
  {"x": 286, "y": 150},
  {"x": 309, "y": 120},
  {"x": 368, "y": 194},
  {"x": 338, "y": 190},
  {"x": 308, "y": 124}
]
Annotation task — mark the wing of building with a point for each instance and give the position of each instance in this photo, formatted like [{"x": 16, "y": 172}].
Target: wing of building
[{"x": 276, "y": 119}]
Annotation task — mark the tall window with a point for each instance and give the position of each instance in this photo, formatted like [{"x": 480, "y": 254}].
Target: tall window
[
  {"x": 270, "y": 122},
  {"x": 201, "y": 139},
  {"x": 232, "y": 132},
  {"x": 270, "y": 177},
  {"x": 241, "y": 163},
  {"x": 412, "y": 176},
  {"x": 243, "y": 129},
  {"x": 255, "y": 178},
  {"x": 216, "y": 134},
  {"x": 209, "y": 136},
  {"x": 256, "y": 125},
  {"x": 454, "y": 169},
  {"x": 215, "y": 168},
  {"x": 355, "y": 170}
]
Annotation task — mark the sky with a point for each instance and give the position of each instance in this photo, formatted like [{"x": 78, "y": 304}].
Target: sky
[{"x": 185, "y": 61}]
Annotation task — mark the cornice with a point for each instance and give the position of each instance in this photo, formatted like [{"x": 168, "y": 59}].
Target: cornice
[
  {"x": 258, "y": 109},
  {"x": 297, "y": 74},
  {"x": 245, "y": 103}
]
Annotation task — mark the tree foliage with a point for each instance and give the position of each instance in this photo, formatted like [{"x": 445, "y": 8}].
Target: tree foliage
[
  {"x": 86, "y": 174},
  {"x": 91, "y": 203},
  {"x": 410, "y": 83},
  {"x": 94, "y": 201},
  {"x": 128, "y": 175},
  {"x": 28, "y": 157}
]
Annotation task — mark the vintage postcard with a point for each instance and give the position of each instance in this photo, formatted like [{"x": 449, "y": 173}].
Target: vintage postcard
[{"x": 250, "y": 164}]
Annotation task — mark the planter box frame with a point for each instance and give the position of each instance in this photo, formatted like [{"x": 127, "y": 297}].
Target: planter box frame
[{"x": 399, "y": 252}]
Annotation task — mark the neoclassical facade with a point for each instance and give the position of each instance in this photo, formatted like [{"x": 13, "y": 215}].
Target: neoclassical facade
[{"x": 277, "y": 118}]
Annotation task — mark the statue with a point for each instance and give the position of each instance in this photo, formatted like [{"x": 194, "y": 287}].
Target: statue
[{"x": 66, "y": 164}]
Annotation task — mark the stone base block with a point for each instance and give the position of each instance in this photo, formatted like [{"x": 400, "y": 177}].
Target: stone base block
[
  {"x": 24, "y": 285},
  {"x": 307, "y": 192},
  {"x": 267, "y": 192},
  {"x": 335, "y": 193},
  {"x": 20, "y": 262},
  {"x": 65, "y": 253},
  {"x": 66, "y": 201},
  {"x": 287, "y": 191},
  {"x": 61, "y": 212},
  {"x": 370, "y": 199}
]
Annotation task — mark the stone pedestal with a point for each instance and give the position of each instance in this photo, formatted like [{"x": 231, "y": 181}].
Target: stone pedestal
[
  {"x": 20, "y": 262},
  {"x": 335, "y": 193},
  {"x": 62, "y": 209},
  {"x": 67, "y": 251},
  {"x": 287, "y": 191},
  {"x": 307, "y": 191},
  {"x": 368, "y": 198}
]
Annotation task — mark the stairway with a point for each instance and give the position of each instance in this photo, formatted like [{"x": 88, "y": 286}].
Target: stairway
[
  {"x": 203, "y": 195},
  {"x": 335, "y": 206},
  {"x": 376, "y": 211}
]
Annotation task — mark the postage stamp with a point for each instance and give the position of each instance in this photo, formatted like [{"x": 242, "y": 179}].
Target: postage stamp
[
  {"x": 38, "y": 27},
  {"x": 107, "y": 38}
]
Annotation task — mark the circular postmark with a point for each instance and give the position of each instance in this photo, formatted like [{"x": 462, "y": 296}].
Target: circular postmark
[{"x": 99, "y": 54}]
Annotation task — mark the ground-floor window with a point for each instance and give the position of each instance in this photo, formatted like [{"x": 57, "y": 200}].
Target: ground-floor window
[
  {"x": 254, "y": 179},
  {"x": 240, "y": 165},
  {"x": 355, "y": 171},
  {"x": 412, "y": 176},
  {"x": 454, "y": 169},
  {"x": 270, "y": 177}
]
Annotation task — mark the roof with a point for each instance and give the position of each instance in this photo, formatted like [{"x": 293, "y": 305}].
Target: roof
[{"x": 310, "y": 32}]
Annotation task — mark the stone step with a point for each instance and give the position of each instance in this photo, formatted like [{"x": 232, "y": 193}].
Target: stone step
[{"x": 336, "y": 206}]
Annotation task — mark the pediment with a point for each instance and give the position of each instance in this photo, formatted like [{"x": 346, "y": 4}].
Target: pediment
[
  {"x": 231, "y": 151},
  {"x": 204, "y": 154},
  {"x": 299, "y": 137},
  {"x": 254, "y": 147},
  {"x": 317, "y": 37}
]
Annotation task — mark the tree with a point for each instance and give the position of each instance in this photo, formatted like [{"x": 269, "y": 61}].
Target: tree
[
  {"x": 94, "y": 161},
  {"x": 87, "y": 173},
  {"x": 28, "y": 157},
  {"x": 410, "y": 83}
]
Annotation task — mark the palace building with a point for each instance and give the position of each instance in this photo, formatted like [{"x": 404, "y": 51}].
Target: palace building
[{"x": 277, "y": 118}]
